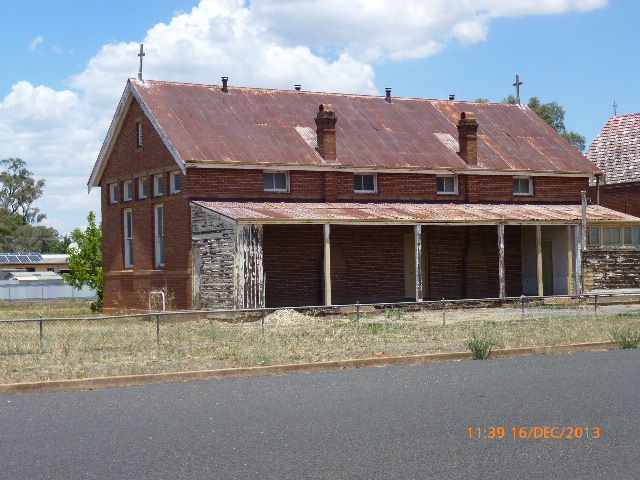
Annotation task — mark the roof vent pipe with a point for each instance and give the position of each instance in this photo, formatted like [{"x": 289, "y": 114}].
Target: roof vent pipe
[
  {"x": 224, "y": 84},
  {"x": 298, "y": 87},
  {"x": 388, "y": 99}
]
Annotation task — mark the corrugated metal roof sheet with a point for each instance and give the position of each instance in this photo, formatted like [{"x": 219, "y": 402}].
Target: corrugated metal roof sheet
[
  {"x": 616, "y": 150},
  {"x": 286, "y": 212},
  {"x": 261, "y": 127}
]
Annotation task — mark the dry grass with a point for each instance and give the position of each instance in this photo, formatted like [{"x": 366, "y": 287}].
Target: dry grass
[{"x": 100, "y": 347}]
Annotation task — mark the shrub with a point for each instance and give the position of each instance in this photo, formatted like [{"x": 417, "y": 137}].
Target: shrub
[
  {"x": 481, "y": 346},
  {"x": 626, "y": 338}
]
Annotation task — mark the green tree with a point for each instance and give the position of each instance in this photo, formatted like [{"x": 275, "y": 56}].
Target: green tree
[
  {"x": 553, "y": 114},
  {"x": 85, "y": 260},
  {"x": 19, "y": 190}
]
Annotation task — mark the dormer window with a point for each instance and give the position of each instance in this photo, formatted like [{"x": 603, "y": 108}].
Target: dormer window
[
  {"x": 447, "y": 185},
  {"x": 276, "y": 182},
  {"x": 113, "y": 193},
  {"x": 522, "y": 186},
  {"x": 365, "y": 183},
  {"x": 174, "y": 183}
]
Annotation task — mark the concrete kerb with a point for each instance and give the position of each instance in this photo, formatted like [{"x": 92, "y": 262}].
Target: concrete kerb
[{"x": 200, "y": 375}]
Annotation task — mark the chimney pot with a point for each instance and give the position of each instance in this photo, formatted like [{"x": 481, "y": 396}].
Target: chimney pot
[
  {"x": 452, "y": 97},
  {"x": 388, "y": 90},
  {"x": 224, "y": 84},
  {"x": 298, "y": 87},
  {"x": 468, "y": 137}
]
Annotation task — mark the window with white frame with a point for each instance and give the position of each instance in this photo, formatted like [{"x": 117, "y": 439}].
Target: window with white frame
[
  {"x": 159, "y": 236},
  {"x": 143, "y": 188},
  {"x": 113, "y": 193},
  {"x": 447, "y": 184},
  {"x": 127, "y": 190},
  {"x": 276, "y": 182},
  {"x": 174, "y": 183},
  {"x": 158, "y": 185},
  {"x": 365, "y": 183},
  {"x": 139, "y": 132},
  {"x": 128, "y": 239},
  {"x": 593, "y": 235},
  {"x": 522, "y": 186}
]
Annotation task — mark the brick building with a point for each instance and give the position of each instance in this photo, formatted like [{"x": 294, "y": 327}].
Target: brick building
[{"x": 241, "y": 197}]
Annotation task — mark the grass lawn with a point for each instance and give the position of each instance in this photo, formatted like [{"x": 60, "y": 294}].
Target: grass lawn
[{"x": 91, "y": 345}]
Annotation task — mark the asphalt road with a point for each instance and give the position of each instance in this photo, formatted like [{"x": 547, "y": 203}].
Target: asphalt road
[{"x": 396, "y": 422}]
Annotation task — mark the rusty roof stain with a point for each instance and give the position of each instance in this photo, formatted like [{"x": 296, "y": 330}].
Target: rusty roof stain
[
  {"x": 296, "y": 212},
  {"x": 251, "y": 126},
  {"x": 616, "y": 149}
]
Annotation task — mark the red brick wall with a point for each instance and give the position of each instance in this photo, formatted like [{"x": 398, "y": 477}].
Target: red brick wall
[
  {"x": 623, "y": 198},
  {"x": 129, "y": 288}
]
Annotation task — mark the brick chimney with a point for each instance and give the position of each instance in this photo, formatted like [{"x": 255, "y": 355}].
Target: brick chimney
[
  {"x": 468, "y": 138},
  {"x": 326, "y": 131}
]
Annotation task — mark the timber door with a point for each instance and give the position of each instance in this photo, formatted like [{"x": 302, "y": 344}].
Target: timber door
[
  {"x": 410, "y": 267},
  {"x": 547, "y": 268}
]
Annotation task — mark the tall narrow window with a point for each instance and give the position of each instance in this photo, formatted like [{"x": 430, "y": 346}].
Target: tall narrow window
[
  {"x": 158, "y": 185},
  {"x": 174, "y": 183},
  {"x": 139, "y": 131},
  {"x": 127, "y": 190},
  {"x": 128, "y": 239},
  {"x": 365, "y": 183},
  {"x": 143, "y": 187},
  {"x": 113, "y": 193},
  {"x": 159, "y": 221}
]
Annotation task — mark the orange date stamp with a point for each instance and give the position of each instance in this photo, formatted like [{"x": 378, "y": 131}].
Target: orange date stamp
[{"x": 535, "y": 432}]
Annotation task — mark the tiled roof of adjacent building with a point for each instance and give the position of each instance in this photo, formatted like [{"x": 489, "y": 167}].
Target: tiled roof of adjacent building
[
  {"x": 203, "y": 126},
  {"x": 616, "y": 150}
]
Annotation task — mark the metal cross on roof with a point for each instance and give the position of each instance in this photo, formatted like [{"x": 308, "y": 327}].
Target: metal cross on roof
[
  {"x": 615, "y": 106},
  {"x": 141, "y": 54},
  {"x": 517, "y": 85}
]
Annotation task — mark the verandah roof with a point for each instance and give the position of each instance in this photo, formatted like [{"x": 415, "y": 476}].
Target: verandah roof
[{"x": 405, "y": 213}]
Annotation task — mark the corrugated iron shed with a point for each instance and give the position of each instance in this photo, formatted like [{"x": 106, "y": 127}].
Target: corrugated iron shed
[
  {"x": 427, "y": 213},
  {"x": 616, "y": 149},
  {"x": 250, "y": 126}
]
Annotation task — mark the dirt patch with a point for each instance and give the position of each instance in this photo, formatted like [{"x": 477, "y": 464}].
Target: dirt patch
[{"x": 287, "y": 316}]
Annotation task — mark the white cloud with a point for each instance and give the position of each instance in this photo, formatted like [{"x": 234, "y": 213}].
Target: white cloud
[
  {"x": 325, "y": 45},
  {"x": 36, "y": 41}
]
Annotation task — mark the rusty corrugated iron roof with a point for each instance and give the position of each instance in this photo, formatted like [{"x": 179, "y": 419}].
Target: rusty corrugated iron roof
[
  {"x": 616, "y": 149},
  {"x": 477, "y": 213},
  {"x": 249, "y": 126}
]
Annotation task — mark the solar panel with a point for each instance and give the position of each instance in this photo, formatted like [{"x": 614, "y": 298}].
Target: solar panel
[{"x": 13, "y": 257}]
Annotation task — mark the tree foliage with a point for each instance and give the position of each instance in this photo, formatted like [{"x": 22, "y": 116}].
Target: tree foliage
[
  {"x": 19, "y": 190},
  {"x": 85, "y": 260},
  {"x": 553, "y": 114}
]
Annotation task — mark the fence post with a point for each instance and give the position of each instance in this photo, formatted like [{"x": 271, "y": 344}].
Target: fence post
[
  {"x": 444, "y": 316},
  {"x": 358, "y": 312},
  {"x": 262, "y": 320},
  {"x": 522, "y": 305},
  {"x": 41, "y": 335},
  {"x": 595, "y": 304},
  {"x": 158, "y": 328}
]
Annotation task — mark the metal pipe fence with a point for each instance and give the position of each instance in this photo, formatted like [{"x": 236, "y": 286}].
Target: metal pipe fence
[{"x": 256, "y": 326}]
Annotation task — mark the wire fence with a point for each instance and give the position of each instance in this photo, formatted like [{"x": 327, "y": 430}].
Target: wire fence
[{"x": 377, "y": 325}]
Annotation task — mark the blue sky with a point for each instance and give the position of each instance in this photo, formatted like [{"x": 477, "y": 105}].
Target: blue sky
[{"x": 65, "y": 63}]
